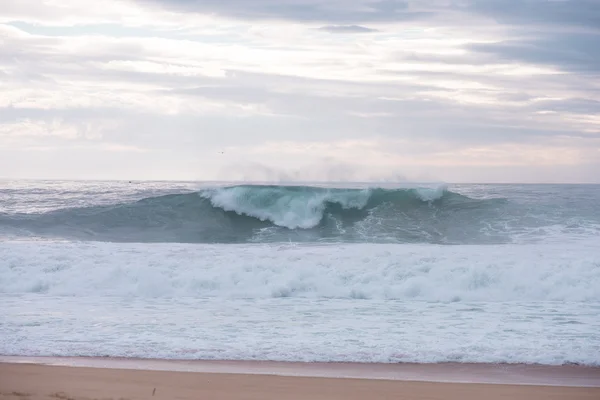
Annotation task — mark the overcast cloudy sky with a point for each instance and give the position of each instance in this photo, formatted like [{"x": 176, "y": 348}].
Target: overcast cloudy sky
[{"x": 450, "y": 90}]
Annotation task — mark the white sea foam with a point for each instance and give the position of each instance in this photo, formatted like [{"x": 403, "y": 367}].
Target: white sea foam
[
  {"x": 364, "y": 303},
  {"x": 431, "y": 193},
  {"x": 362, "y": 271},
  {"x": 282, "y": 206}
]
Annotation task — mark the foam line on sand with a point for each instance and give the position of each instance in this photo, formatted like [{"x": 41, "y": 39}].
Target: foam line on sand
[{"x": 513, "y": 374}]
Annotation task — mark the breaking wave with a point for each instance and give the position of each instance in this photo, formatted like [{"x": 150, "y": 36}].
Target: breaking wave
[
  {"x": 239, "y": 214},
  {"x": 304, "y": 207}
]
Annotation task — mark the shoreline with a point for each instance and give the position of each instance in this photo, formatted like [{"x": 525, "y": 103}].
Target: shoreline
[
  {"x": 26, "y": 380},
  {"x": 459, "y": 373}
]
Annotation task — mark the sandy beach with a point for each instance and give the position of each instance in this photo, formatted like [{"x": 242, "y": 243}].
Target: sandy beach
[{"x": 23, "y": 380}]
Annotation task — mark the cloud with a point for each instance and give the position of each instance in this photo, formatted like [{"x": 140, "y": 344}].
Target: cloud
[
  {"x": 70, "y": 12},
  {"x": 566, "y": 51},
  {"x": 347, "y": 29},
  {"x": 445, "y": 89},
  {"x": 102, "y": 147},
  {"x": 387, "y": 153},
  {"x": 29, "y": 130},
  {"x": 565, "y": 14},
  {"x": 336, "y": 11}
]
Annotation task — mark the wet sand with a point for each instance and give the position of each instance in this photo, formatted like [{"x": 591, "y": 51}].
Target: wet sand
[{"x": 98, "y": 378}]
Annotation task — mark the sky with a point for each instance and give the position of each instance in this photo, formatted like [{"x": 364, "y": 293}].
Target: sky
[{"x": 310, "y": 90}]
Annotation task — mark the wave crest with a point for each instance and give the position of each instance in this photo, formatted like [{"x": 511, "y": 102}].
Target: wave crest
[{"x": 304, "y": 207}]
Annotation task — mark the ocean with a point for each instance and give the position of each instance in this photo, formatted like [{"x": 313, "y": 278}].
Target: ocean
[{"x": 314, "y": 272}]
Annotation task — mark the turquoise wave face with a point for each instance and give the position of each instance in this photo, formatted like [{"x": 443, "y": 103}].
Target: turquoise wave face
[{"x": 239, "y": 214}]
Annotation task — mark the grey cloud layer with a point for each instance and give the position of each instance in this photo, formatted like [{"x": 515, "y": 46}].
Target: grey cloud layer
[
  {"x": 563, "y": 13},
  {"x": 336, "y": 11},
  {"x": 562, "y": 33},
  {"x": 577, "y": 52},
  {"x": 466, "y": 93},
  {"x": 346, "y": 29}
]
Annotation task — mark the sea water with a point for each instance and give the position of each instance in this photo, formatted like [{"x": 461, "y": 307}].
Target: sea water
[{"x": 336, "y": 272}]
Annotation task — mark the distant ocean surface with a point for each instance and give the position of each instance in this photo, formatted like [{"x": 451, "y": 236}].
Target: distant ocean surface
[{"x": 338, "y": 272}]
